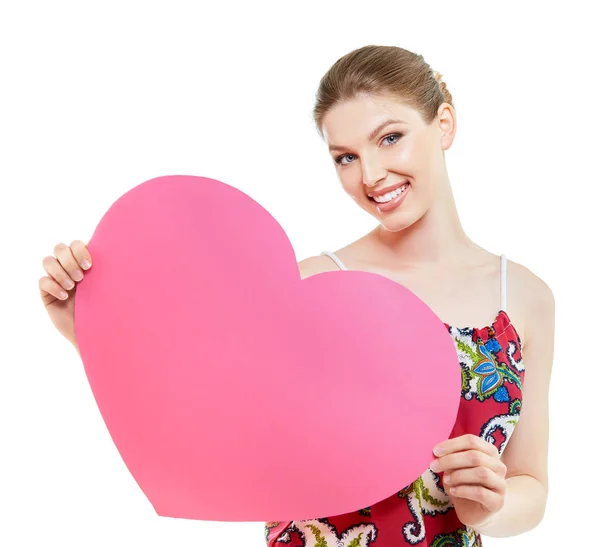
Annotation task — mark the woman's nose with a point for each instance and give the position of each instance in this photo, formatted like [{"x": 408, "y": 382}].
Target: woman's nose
[
  {"x": 370, "y": 180},
  {"x": 372, "y": 172}
]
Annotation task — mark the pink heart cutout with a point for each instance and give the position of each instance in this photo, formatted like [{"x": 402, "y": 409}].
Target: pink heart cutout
[{"x": 236, "y": 391}]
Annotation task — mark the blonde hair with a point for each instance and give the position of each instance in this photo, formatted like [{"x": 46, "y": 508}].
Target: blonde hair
[{"x": 382, "y": 70}]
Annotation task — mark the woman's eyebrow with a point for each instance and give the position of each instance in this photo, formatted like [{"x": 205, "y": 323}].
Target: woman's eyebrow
[{"x": 372, "y": 134}]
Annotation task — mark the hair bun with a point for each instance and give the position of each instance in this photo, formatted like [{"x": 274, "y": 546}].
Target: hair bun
[{"x": 438, "y": 76}]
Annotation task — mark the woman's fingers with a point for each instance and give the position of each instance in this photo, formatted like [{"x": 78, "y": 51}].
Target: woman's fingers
[
  {"x": 81, "y": 254},
  {"x": 475, "y": 476},
  {"x": 65, "y": 268},
  {"x": 491, "y": 500},
  {"x": 57, "y": 273},
  {"x": 466, "y": 442},
  {"x": 72, "y": 272},
  {"x": 468, "y": 458},
  {"x": 50, "y": 287}
]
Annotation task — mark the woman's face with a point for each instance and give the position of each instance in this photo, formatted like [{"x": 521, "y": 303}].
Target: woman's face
[{"x": 406, "y": 156}]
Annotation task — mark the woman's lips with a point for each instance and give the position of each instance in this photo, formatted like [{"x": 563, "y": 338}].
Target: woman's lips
[
  {"x": 385, "y": 191},
  {"x": 394, "y": 203}
]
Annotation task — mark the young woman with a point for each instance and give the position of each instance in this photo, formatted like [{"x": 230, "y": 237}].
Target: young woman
[{"x": 388, "y": 120}]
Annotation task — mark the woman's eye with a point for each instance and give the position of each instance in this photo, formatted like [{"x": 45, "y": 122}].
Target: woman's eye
[
  {"x": 393, "y": 135},
  {"x": 339, "y": 159}
]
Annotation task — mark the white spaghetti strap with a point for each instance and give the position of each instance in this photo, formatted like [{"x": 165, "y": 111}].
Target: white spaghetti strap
[
  {"x": 335, "y": 259},
  {"x": 503, "y": 282}
]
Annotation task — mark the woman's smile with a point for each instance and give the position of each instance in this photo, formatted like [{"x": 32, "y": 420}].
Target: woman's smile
[{"x": 391, "y": 200}]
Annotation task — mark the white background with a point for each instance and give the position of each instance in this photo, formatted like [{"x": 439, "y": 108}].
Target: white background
[{"x": 96, "y": 98}]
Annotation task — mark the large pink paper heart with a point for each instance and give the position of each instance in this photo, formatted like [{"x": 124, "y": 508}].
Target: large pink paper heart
[{"x": 236, "y": 391}]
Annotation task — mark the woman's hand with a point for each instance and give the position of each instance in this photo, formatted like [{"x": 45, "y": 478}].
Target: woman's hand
[
  {"x": 474, "y": 477},
  {"x": 64, "y": 271}
]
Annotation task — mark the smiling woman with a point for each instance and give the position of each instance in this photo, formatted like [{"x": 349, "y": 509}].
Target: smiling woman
[{"x": 388, "y": 120}]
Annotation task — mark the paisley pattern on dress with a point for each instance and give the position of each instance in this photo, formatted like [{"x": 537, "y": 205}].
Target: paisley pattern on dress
[{"x": 422, "y": 513}]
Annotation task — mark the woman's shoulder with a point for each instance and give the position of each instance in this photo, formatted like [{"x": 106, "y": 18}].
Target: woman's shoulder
[
  {"x": 530, "y": 281},
  {"x": 534, "y": 295}
]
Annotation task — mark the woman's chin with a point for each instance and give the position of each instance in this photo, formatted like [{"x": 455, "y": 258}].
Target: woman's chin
[
  {"x": 395, "y": 223},
  {"x": 393, "y": 226}
]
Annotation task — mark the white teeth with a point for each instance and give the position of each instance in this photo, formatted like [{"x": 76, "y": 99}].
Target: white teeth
[{"x": 390, "y": 195}]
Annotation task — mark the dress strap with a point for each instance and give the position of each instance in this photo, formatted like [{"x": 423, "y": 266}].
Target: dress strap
[
  {"x": 503, "y": 282},
  {"x": 335, "y": 259}
]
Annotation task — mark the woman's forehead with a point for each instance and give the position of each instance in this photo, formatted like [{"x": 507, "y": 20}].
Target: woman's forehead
[{"x": 361, "y": 116}]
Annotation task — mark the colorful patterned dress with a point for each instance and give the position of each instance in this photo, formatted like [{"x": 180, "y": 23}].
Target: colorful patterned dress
[{"x": 421, "y": 513}]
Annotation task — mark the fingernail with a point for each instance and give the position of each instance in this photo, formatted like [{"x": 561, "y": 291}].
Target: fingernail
[
  {"x": 447, "y": 479},
  {"x": 85, "y": 264},
  {"x": 63, "y": 295},
  {"x": 77, "y": 275},
  {"x": 434, "y": 465},
  {"x": 438, "y": 450},
  {"x": 68, "y": 284}
]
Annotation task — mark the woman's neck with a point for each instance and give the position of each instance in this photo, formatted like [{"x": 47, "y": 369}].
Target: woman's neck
[{"x": 436, "y": 240}]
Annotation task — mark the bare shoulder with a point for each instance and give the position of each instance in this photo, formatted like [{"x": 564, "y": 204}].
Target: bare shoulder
[
  {"x": 536, "y": 297},
  {"x": 316, "y": 264},
  {"x": 538, "y": 291}
]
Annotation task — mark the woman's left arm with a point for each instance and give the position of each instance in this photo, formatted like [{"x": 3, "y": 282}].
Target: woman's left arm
[
  {"x": 526, "y": 454},
  {"x": 508, "y": 497}
]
